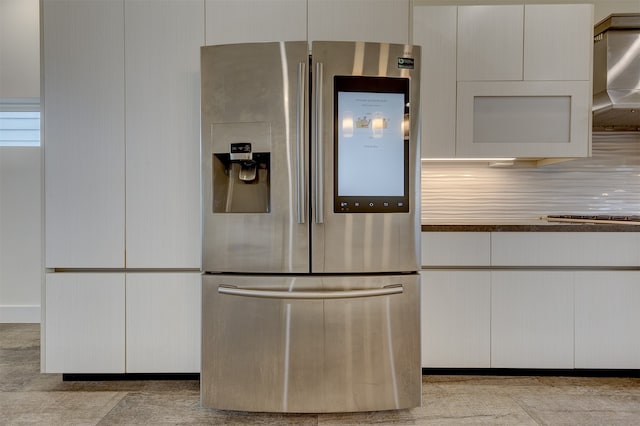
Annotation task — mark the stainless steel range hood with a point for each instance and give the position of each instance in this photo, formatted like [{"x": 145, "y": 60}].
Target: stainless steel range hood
[{"x": 616, "y": 73}]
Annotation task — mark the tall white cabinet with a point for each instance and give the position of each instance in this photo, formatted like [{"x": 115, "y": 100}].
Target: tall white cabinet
[
  {"x": 84, "y": 139},
  {"x": 122, "y": 184},
  {"x": 162, "y": 81}
]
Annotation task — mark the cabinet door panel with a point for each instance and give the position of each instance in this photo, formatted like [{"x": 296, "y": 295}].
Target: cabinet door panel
[
  {"x": 163, "y": 40},
  {"x": 84, "y": 323},
  {"x": 163, "y": 322},
  {"x": 607, "y": 319},
  {"x": 490, "y": 42},
  {"x": 83, "y": 87},
  {"x": 384, "y": 21},
  {"x": 250, "y": 21},
  {"x": 456, "y": 319},
  {"x": 434, "y": 28},
  {"x": 558, "y": 41},
  {"x": 532, "y": 319}
]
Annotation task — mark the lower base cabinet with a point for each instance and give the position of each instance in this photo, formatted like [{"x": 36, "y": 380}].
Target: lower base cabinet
[
  {"x": 116, "y": 322},
  {"x": 607, "y": 319},
  {"x": 532, "y": 319},
  {"x": 456, "y": 319},
  {"x": 163, "y": 322},
  {"x": 84, "y": 329}
]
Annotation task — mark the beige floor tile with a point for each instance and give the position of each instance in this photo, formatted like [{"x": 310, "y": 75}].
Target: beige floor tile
[{"x": 56, "y": 408}]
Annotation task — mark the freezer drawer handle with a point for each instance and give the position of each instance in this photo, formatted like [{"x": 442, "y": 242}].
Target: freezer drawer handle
[{"x": 346, "y": 294}]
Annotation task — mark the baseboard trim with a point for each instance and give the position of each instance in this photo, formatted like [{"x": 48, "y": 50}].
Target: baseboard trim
[
  {"x": 574, "y": 372},
  {"x": 67, "y": 377},
  {"x": 20, "y": 314}
]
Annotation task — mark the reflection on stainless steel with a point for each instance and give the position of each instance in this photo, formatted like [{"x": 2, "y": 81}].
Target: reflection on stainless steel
[
  {"x": 616, "y": 79},
  {"x": 306, "y": 355},
  {"x": 293, "y": 317}
]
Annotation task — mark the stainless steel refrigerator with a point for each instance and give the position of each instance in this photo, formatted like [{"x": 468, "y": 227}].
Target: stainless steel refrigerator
[{"x": 311, "y": 244}]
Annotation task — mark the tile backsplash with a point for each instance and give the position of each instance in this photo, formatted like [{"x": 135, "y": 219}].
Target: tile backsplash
[{"x": 470, "y": 193}]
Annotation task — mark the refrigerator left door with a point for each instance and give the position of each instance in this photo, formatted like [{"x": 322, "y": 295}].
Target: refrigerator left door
[{"x": 254, "y": 150}]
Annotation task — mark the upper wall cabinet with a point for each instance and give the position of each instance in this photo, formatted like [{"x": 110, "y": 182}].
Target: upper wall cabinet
[
  {"x": 532, "y": 42},
  {"x": 490, "y": 42},
  {"x": 522, "y": 80},
  {"x": 248, "y": 21},
  {"x": 162, "y": 74},
  {"x": 84, "y": 120},
  {"x": 385, "y": 21},
  {"x": 434, "y": 28}
]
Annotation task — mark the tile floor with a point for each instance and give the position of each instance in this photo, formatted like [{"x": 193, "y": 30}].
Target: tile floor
[{"x": 28, "y": 397}]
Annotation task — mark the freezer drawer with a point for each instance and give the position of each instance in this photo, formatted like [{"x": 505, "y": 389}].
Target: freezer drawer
[{"x": 311, "y": 343}]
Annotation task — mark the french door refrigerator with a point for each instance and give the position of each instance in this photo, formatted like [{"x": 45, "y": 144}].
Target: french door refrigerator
[{"x": 310, "y": 180}]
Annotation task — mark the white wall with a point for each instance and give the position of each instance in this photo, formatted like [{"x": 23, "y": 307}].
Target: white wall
[
  {"x": 20, "y": 234},
  {"x": 20, "y": 176}
]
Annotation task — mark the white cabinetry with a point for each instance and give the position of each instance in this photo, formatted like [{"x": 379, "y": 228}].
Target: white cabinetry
[
  {"x": 490, "y": 42},
  {"x": 385, "y": 21},
  {"x": 85, "y": 323},
  {"x": 456, "y": 319},
  {"x": 558, "y": 42},
  {"x": 83, "y": 120},
  {"x": 607, "y": 319},
  {"x": 456, "y": 249},
  {"x": 162, "y": 52},
  {"x": 115, "y": 322},
  {"x": 163, "y": 322},
  {"x": 248, "y": 21},
  {"x": 531, "y": 319},
  {"x": 434, "y": 28},
  {"x": 556, "y": 300},
  {"x": 456, "y": 304},
  {"x": 244, "y": 21},
  {"x": 577, "y": 249},
  {"x": 523, "y": 76}
]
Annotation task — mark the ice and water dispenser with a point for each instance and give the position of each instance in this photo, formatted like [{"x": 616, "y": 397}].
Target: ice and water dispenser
[{"x": 241, "y": 168}]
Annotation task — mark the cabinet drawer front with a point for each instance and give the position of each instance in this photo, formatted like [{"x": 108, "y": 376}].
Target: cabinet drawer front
[{"x": 580, "y": 249}]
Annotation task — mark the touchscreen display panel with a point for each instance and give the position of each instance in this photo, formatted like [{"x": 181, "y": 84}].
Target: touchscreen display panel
[{"x": 371, "y": 144}]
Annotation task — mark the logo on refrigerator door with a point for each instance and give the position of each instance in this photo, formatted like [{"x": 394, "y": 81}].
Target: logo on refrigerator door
[{"x": 405, "y": 63}]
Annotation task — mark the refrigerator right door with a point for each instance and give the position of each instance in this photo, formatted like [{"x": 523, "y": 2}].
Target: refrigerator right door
[{"x": 366, "y": 160}]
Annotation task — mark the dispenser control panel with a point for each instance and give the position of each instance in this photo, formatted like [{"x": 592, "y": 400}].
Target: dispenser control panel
[{"x": 240, "y": 151}]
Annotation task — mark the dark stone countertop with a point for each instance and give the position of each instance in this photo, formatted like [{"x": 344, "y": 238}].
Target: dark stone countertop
[{"x": 564, "y": 227}]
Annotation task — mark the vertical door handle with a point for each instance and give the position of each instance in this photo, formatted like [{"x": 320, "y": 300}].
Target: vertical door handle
[
  {"x": 300, "y": 125},
  {"x": 319, "y": 163}
]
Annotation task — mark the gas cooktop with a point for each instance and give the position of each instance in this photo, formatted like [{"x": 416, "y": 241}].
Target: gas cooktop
[{"x": 618, "y": 219}]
